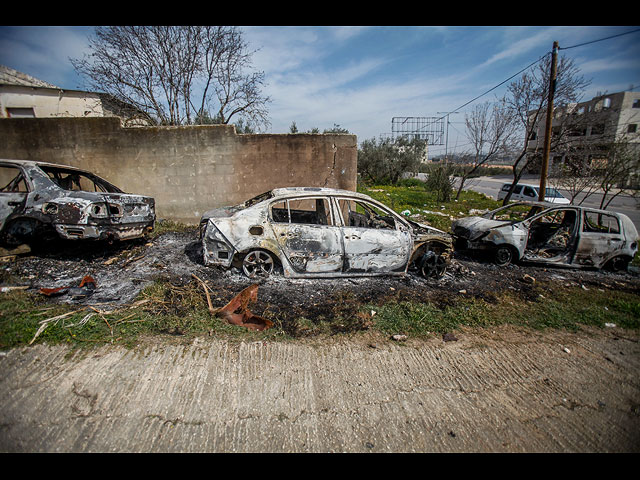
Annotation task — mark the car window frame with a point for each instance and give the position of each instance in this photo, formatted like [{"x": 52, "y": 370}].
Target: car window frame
[
  {"x": 275, "y": 201},
  {"x": 400, "y": 222},
  {"x": 25, "y": 178}
]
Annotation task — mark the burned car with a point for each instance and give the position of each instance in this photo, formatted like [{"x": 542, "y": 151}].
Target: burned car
[
  {"x": 321, "y": 232},
  {"x": 41, "y": 200},
  {"x": 564, "y": 235}
]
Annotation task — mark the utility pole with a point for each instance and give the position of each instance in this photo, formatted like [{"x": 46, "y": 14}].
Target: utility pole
[
  {"x": 547, "y": 133},
  {"x": 446, "y": 142}
]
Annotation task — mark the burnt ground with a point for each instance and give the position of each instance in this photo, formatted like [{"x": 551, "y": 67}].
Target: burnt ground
[{"x": 122, "y": 270}]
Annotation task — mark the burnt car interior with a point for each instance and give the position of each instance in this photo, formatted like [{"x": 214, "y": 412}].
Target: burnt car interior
[
  {"x": 78, "y": 181},
  {"x": 305, "y": 211},
  {"x": 552, "y": 234},
  {"x": 362, "y": 215}
]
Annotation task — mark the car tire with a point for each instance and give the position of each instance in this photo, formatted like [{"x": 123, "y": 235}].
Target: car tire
[
  {"x": 503, "y": 255},
  {"x": 618, "y": 264},
  {"x": 27, "y": 231}
]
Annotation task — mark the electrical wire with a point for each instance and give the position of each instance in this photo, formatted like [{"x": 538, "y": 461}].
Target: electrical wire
[{"x": 599, "y": 40}]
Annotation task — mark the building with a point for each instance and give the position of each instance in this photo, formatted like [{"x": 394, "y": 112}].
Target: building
[
  {"x": 584, "y": 130},
  {"x": 24, "y": 96}
]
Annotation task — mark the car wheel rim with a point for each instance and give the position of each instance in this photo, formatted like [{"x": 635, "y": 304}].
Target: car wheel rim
[
  {"x": 257, "y": 264},
  {"x": 433, "y": 266},
  {"x": 503, "y": 256}
]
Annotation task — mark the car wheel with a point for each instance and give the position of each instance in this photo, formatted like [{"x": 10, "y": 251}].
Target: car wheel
[
  {"x": 432, "y": 265},
  {"x": 258, "y": 263},
  {"x": 503, "y": 255},
  {"x": 27, "y": 230},
  {"x": 618, "y": 264}
]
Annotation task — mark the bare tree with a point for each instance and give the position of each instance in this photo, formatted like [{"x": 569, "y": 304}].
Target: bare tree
[
  {"x": 527, "y": 98},
  {"x": 177, "y": 75},
  {"x": 490, "y": 129}
]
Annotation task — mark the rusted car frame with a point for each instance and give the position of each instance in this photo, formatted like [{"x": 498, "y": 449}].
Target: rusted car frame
[
  {"x": 566, "y": 235},
  {"x": 321, "y": 232},
  {"x": 41, "y": 200}
]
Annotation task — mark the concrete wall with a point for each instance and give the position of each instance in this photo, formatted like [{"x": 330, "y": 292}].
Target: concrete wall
[{"x": 188, "y": 170}]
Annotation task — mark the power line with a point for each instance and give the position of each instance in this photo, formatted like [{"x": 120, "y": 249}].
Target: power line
[
  {"x": 503, "y": 82},
  {"x": 599, "y": 40}
]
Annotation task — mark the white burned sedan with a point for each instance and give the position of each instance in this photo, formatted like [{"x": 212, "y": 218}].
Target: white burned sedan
[
  {"x": 565, "y": 235},
  {"x": 320, "y": 232}
]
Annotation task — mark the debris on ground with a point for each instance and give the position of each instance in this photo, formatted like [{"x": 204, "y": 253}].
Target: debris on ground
[
  {"x": 236, "y": 312},
  {"x": 449, "y": 337},
  {"x": 174, "y": 258},
  {"x": 86, "y": 287}
]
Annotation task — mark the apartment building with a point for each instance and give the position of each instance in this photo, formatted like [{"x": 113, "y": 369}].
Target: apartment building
[{"x": 584, "y": 130}]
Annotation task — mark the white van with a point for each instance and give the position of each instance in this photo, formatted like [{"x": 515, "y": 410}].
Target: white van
[{"x": 531, "y": 193}]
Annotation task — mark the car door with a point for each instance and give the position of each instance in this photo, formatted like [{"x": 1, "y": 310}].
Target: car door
[
  {"x": 600, "y": 238},
  {"x": 307, "y": 234},
  {"x": 374, "y": 240},
  {"x": 13, "y": 191},
  {"x": 552, "y": 236}
]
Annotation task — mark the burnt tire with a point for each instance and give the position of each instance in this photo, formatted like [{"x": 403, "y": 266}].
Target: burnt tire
[
  {"x": 503, "y": 255},
  {"x": 27, "y": 230},
  {"x": 618, "y": 264}
]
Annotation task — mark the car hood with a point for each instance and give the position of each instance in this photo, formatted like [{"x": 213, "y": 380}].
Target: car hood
[
  {"x": 221, "y": 212},
  {"x": 471, "y": 227}
]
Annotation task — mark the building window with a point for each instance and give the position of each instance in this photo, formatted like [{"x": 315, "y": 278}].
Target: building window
[
  {"x": 632, "y": 128},
  {"x": 636, "y": 103},
  {"x": 606, "y": 103},
  {"x": 21, "y": 112}
]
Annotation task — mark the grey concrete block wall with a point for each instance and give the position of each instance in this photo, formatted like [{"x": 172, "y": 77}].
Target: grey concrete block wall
[{"x": 190, "y": 169}]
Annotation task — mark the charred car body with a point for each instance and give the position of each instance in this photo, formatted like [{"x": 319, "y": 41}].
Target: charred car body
[
  {"x": 563, "y": 235},
  {"x": 41, "y": 200},
  {"x": 320, "y": 232}
]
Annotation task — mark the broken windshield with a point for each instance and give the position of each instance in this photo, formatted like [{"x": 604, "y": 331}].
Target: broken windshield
[{"x": 514, "y": 212}]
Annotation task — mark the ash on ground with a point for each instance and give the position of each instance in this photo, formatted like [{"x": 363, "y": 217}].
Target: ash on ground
[{"x": 123, "y": 269}]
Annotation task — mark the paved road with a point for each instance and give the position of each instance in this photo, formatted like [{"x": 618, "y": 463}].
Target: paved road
[{"x": 499, "y": 390}]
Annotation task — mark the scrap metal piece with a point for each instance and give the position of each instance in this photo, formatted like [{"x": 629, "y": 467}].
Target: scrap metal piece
[
  {"x": 85, "y": 288},
  {"x": 236, "y": 312}
]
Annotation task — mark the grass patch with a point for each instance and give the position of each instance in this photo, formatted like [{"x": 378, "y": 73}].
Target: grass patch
[
  {"x": 180, "y": 313},
  {"x": 568, "y": 309},
  {"x": 411, "y": 195},
  {"x": 166, "y": 226}
]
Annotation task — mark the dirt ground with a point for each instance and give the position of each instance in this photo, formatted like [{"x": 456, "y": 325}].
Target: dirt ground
[
  {"x": 503, "y": 389},
  {"x": 122, "y": 270}
]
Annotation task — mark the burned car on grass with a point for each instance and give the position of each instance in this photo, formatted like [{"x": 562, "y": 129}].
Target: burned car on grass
[
  {"x": 564, "y": 235},
  {"x": 321, "y": 232},
  {"x": 40, "y": 201}
]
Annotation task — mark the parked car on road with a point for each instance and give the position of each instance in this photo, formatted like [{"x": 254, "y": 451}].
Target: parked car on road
[
  {"x": 320, "y": 232},
  {"x": 559, "y": 235},
  {"x": 531, "y": 193},
  {"x": 40, "y": 200}
]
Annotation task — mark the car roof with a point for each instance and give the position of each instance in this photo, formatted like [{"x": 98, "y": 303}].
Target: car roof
[
  {"x": 303, "y": 191},
  {"x": 34, "y": 163},
  {"x": 548, "y": 206}
]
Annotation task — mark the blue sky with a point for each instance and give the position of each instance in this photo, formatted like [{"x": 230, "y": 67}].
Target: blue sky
[{"x": 361, "y": 77}]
